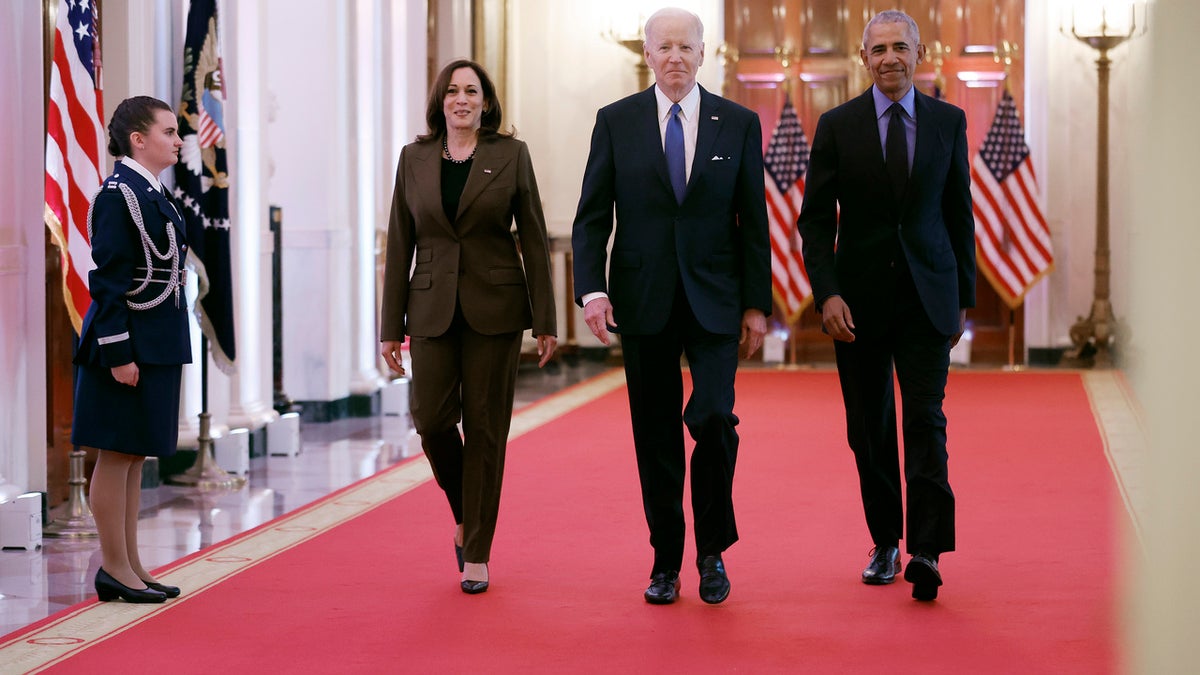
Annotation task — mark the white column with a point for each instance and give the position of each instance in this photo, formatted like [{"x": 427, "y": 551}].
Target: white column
[
  {"x": 365, "y": 78},
  {"x": 1161, "y": 588},
  {"x": 453, "y": 31},
  {"x": 250, "y": 388},
  {"x": 308, "y": 147},
  {"x": 22, "y": 257}
]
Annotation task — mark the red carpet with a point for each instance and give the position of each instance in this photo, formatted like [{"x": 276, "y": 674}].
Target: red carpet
[{"x": 1031, "y": 588}]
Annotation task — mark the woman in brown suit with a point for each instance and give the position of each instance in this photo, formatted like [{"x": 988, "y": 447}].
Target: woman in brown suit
[{"x": 469, "y": 298}]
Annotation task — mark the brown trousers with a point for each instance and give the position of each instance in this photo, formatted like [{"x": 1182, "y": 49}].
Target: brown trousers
[{"x": 464, "y": 375}]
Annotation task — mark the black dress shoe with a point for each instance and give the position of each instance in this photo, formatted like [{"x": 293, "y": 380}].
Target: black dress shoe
[
  {"x": 922, "y": 572},
  {"x": 663, "y": 589},
  {"x": 884, "y": 566},
  {"x": 108, "y": 588},
  {"x": 169, "y": 591},
  {"x": 714, "y": 583}
]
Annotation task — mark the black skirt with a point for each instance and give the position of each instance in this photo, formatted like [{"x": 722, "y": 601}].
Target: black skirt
[{"x": 141, "y": 420}]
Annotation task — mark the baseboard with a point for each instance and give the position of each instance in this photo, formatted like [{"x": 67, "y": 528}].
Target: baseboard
[{"x": 1042, "y": 357}]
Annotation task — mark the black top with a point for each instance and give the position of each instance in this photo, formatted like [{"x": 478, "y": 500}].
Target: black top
[{"x": 454, "y": 179}]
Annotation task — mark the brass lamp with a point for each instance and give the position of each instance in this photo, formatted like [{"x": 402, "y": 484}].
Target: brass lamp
[{"x": 1101, "y": 26}]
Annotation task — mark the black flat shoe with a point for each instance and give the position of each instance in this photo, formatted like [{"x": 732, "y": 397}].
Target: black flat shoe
[
  {"x": 884, "y": 566},
  {"x": 458, "y": 554},
  {"x": 663, "y": 589},
  {"x": 108, "y": 588},
  {"x": 922, "y": 572},
  {"x": 714, "y": 583},
  {"x": 169, "y": 591}
]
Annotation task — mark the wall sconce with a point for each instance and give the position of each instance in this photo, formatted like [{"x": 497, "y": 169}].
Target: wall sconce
[
  {"x": 632, "y": 36},
  {"x": 1102, "y": 26}
]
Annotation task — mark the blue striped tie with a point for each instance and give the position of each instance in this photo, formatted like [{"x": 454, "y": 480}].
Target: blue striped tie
[{"x": 676, "y": 164}]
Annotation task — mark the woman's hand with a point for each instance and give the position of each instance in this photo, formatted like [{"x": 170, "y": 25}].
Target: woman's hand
[
  {"x": 126, "y": 374},
  {"x": 546, "y": 345},
  {"x": 391, "y": 353}
]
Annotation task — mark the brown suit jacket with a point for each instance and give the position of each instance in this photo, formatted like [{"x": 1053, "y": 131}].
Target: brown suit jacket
[{"x": 476, "y": 261}]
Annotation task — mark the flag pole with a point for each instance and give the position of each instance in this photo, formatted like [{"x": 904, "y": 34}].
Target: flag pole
[
  {"x": 205, "y": 473},
  {"x": 1012, "y": 342}
]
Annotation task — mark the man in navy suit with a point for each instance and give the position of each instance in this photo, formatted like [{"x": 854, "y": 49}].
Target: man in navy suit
[
  {"x": 690, "y": 275},
  {"x": 893, "y": 274}
]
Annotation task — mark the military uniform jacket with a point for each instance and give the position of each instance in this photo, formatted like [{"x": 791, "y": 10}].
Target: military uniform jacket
[{"x": 139, "y": 310}]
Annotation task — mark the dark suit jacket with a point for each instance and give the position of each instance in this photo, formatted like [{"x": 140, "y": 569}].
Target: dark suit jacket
[
  {"x": 476, "y": 260},
  {"x": 716, "y": 242},
  {"x": 113, "y": 334},
  {"x": 936, "y": 231}
]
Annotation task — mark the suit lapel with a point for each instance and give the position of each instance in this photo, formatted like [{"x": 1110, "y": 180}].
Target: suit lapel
[
  {"x": 651, "y": 135},
  {"x": 707, "y": 129},
  {"x": 929, "y": 142},
  {"x": 490, "y": 161},
  {"x": 426, "y": 175},
  {"x": 879, "y": 179}
]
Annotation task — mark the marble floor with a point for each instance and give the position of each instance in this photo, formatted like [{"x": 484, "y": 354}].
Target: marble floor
[{"x": 178, "y": 521}]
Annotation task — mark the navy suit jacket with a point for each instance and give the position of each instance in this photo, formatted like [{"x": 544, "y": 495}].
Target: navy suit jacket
[
  {"x": 851, "y": 253},
  {"x": 113, "y": 334},
  {"x": 715, "y": 242}
]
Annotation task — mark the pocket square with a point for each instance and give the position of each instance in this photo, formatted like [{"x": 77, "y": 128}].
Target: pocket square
[{"x": 718, "y": 158}]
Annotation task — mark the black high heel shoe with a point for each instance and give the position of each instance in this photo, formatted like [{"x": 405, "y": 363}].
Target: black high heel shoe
[
  {"x": 169, "y": 591},
  {"x": 108, "y": 588},
  {"x": 473, "y": 587},
  {"x": 458, "y": 554}
]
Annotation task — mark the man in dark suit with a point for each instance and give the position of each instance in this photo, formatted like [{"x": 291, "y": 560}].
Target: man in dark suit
[
  {"x": 690, "y": 275},
  {"x": 893, "y": 274}
]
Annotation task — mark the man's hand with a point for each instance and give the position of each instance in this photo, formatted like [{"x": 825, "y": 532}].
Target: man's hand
[
  {"x": 835, "y": 316},
  {"x": 390, "y": 349},
  {"x": 754, "y": 327},
  {"x": 962, "y": 327},
  {"x": 598, "y": 315},
  {"x": 546, "y": 345},
  {"x": 126, "y": 374}
]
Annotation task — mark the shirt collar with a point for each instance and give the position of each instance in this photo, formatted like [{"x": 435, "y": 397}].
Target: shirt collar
[
  {"x": 689, "y": 105},
  {"x": 145, "y": 173},
  {"x": 882, "y": 102}
]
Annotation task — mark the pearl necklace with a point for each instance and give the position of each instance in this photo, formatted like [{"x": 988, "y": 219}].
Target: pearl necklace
[{"x": 446, "y": 149}]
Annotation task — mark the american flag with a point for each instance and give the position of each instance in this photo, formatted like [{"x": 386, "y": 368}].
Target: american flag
[
  {"x": 785, "y": 163},
  {"x": 1011, "y": 236},
  {"x": 202, "y": 179},
  {"x": 74, "y": 142}
]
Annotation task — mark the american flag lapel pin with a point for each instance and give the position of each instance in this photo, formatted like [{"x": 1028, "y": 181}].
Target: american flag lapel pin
[{"x": 715, "y": 118}]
